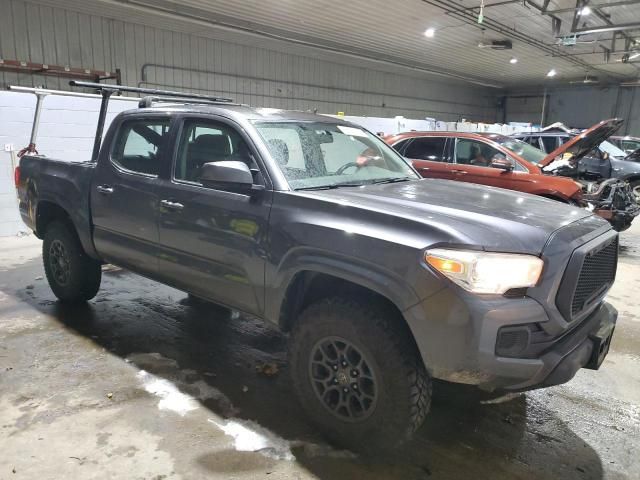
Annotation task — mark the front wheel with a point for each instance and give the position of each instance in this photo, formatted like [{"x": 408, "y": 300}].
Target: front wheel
[
  {"x": 72, "y": 275},
  {"x": 358, "y": 374}
]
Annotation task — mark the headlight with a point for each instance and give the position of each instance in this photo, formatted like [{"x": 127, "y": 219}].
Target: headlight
[{"x": 483, "y": 272}]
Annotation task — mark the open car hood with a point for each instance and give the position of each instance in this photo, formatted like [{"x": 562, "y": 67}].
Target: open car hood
[{"x": 582, "y": 144}]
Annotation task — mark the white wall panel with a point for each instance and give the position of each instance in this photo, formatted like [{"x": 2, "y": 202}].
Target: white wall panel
[{"x": 67, "y": 129}]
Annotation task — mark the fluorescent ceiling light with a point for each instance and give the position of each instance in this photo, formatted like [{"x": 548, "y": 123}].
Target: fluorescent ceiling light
[
  {"x": 513, "y": 61},
  {"x": 585, "y": 11},
  {"x": 552, "y": 73},
  {"x": 430, "y": 32}
]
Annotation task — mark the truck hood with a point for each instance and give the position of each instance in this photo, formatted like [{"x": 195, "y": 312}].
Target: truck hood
[
  {"x": 492, "y": 218},
  {"x": 582, "y": 144}
]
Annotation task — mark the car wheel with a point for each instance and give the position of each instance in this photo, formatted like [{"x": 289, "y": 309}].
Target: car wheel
[
  {"x": 357, "y": 373},
  {"x": 73, "y": 276}
]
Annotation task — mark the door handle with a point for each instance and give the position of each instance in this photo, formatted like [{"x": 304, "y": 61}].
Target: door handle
[
  {"x": 169, "y": 205},
  {"x": 459, "y": 172},
  {"x": 424, "y": 169},
  {"x": 104, "y": 189}
]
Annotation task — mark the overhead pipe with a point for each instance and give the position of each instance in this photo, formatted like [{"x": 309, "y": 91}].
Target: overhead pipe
[{"x": 609, "y": 28}]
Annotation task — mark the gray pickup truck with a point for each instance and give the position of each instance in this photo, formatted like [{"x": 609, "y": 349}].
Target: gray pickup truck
[{"x": 383, "y": 280}]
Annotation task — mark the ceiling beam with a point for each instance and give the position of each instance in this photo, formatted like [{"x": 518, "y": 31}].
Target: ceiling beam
[
  {"x": 580, "y": 4},
  {"x": 496, "y": 26},
  {"x": 599, "y": 5}
]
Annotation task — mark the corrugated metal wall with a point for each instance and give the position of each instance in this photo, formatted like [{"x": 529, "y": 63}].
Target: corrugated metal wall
[
  {"x": 258, "y": 76},
  {"x": 578, "y": 106},
  {"x": 525, "y": 108}
]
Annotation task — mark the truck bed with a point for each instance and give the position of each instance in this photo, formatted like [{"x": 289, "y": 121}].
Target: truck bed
[{"x": 55, "y": 183}]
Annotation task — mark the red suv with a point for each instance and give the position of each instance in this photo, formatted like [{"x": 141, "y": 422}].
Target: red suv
[{"x": 485, "y": 158}]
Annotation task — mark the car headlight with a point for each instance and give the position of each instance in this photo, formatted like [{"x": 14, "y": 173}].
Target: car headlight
[{"x": 486, "y": 272}]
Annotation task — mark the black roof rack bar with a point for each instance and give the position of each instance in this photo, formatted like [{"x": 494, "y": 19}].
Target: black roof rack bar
[
  {"x": 148, "y": 91},
  {"x": 148, "y": 101},
  {"x": 107, "y": 90}
]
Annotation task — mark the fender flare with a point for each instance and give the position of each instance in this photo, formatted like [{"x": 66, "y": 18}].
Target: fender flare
[
  {"x": 81, "y": 225},
  {"x": 366, "y": 274}
]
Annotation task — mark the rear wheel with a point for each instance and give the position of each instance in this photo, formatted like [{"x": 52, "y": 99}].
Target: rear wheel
[
  {"x": 358, "y": 374},
  {"x": 73, "y": 276}
]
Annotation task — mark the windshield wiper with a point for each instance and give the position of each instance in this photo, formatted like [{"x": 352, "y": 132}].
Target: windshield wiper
[
  {"x": 393, "y": 180},
  {"x": 330, "y": 187}
]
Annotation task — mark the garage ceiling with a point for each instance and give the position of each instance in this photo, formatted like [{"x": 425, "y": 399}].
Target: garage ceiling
[{"x": 393, "y": 32}]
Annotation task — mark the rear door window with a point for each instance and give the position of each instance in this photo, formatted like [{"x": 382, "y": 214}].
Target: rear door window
[
  {"x": 138, "y": 146},
  {"x": 427, "y": 148}
]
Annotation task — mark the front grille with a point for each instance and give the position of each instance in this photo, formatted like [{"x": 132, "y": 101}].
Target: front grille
[{"x": 596, "y": 276}]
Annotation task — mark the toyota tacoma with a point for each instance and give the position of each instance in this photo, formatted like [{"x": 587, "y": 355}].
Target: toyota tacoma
[{"x": 382, "y": 280}]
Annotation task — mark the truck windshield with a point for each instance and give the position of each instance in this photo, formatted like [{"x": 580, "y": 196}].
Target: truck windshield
[
  {"x": 524, "y": 150},
  {"x": 326, "y": 155}
]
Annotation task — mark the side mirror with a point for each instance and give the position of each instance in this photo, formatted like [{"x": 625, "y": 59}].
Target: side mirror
[
  {"x": 233, "y": 176},
  {"x": 501, "y": 163}
]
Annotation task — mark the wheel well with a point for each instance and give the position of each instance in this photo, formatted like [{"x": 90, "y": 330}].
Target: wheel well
[
  {"x": 48, "y": 212},
  {"x": 309, "y": 287}
]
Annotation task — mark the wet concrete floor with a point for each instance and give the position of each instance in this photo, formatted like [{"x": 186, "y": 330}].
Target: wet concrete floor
[{"x": 139, "y": 384}]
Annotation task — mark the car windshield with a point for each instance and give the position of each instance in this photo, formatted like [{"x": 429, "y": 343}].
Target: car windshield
[
  {"x": 612, "y": 150},
  {"x": 529, "y": 153},
  {"x": 327, "y": 155}
]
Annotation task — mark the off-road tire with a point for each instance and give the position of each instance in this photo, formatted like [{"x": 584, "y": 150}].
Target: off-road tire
[
  {"x": 83, "y": 274},
  {"x": 403, "y": 385}
]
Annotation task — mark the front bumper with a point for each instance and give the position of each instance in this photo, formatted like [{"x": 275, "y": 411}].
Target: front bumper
[
  {"x": 586, "y": 346},
  {"x": 462, "y": 348}
]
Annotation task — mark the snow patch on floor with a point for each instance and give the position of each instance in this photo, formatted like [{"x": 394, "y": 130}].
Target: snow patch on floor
[
  {"x": 170, "y": 397},
  {"x": 250, "y": 437}
]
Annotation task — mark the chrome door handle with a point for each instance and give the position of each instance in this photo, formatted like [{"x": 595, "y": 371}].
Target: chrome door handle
[
  {"x": 460, "y": 172},
  {"x": 104, "y": 189},
  {"x": 169, "y": 205}
]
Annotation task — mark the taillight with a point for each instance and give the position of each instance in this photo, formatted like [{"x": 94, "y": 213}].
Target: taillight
[{"x": 16, "y": 176}]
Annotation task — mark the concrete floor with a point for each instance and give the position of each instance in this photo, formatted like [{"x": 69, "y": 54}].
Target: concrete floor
[{"x": 139, "y": 384}]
